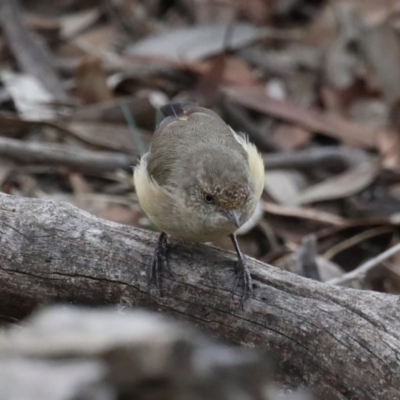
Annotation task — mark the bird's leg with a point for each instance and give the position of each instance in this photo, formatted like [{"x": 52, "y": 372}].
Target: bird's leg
[
  {"x": 160, "y": 262},
  {"x": 243, "y": 273}
]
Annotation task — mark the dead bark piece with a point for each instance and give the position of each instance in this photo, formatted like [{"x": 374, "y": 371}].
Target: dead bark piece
[
  {"x": 66, "y": 353},
  {"x": 31, "y": 53},
  {"x": 38, "y": 379},
  {"x": 342, "y": 343}
]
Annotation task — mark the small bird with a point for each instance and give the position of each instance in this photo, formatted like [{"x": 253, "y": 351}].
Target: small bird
[{"x": 199, "y": 181}]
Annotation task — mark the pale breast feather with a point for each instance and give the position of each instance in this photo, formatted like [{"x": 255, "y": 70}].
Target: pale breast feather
[
  {"x": 153, "y": 198},
  {"x": 256, "y": 163}
]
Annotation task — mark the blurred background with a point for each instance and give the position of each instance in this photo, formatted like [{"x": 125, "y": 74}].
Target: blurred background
[{"x": 315, "y": 84}]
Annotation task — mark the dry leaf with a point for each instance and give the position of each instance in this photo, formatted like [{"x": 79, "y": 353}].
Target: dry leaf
[
  {"x": 284, "y": 185},
  {"x": 73, "y": 24},
  {"x": 30, "y": 97},
  {"x": 79, "y": 184},
  {"x": 235, "y": 72},
  {"x": 5, "y": 169},
  {"x": 208, "y": 84},
  {"x": 108, "y": 136},
  {"x": 291, "y": 137},
  {"x": 389, "y": 148},
  {"x": 195, "y": 43},
  {"x": 120, "y": 214},
  {"x": 110, "y": 111},
  {"x": 327, "y": 123},
  {"x": 91, "y": 81},
  {"x": 311, "y": 214},
  {"x": 327, "y": 269},
  {"x": 343, "y": 185},
  {"x": 208, "y": 12},
  {"x": 256, "y": 10},
  {"x": 374, "y": 12},
  {"x": 45, "y": 25},
  {"x": 382, "y": 50},
  {"x": 341, "y": 59},
  {"x": 97, "y": 41}
]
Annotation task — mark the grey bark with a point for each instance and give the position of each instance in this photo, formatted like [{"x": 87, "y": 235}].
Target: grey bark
[
  {"x": 342, "y": 343},
  {"x": 61, "y": 155}
]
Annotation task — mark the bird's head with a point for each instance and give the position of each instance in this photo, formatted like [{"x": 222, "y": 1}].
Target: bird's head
[{"x": 219, "y": 189}]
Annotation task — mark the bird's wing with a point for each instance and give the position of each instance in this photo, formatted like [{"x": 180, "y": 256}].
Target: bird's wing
[
  {"x": 185, "y": 127},
  {"x": 165, "y": 143}
]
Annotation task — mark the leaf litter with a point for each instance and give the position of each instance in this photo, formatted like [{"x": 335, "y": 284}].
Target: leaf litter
[{"x": 316, "y": 88}]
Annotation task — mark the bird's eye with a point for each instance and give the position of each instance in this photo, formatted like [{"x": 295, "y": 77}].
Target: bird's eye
[{"x": 209, "y": 198}]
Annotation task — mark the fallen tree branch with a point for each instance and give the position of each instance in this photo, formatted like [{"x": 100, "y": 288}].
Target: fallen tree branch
[
  {"x": 62, "y": 155},
  {"x": 342, "y": 343},
  {"x": 358, "y": 275},
  {"x": 340, "y": 158}
]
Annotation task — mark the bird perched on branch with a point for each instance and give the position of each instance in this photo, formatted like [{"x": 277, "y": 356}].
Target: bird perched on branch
[{"x": 199, "y": 181}]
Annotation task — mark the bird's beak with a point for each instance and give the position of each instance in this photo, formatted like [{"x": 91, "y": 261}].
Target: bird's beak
[{"x": 234, "y": 216}]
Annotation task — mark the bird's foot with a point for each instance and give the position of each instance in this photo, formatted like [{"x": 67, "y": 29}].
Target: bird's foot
[
  {"x": 160, "y": 263},
  {"x": 244, "y": 277}
]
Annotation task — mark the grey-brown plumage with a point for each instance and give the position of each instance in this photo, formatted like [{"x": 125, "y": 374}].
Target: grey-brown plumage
[
  {"x": 178, "y": 144},
  {"x": 199, "y": 181}
]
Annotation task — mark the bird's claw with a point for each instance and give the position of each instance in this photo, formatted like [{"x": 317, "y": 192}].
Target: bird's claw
[
  {"x": 160, "y": 263},
  {"x": 243, "y": 276}
]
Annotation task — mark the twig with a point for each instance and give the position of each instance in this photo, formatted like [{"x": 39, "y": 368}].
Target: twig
[
  {"x": 360, "y": 272},
  {"x": 304, "y": 213},
  {"x": 356, "y": 239},
  {"x": 306, "y": 257},
  {"x": 135, "y": 135},
  {"x": 337, "y": 157},
  {"x": 66, "y": 156}
]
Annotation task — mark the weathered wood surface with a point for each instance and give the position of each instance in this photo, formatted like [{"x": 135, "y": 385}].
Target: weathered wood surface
[{"x": 343, "y": 343}]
